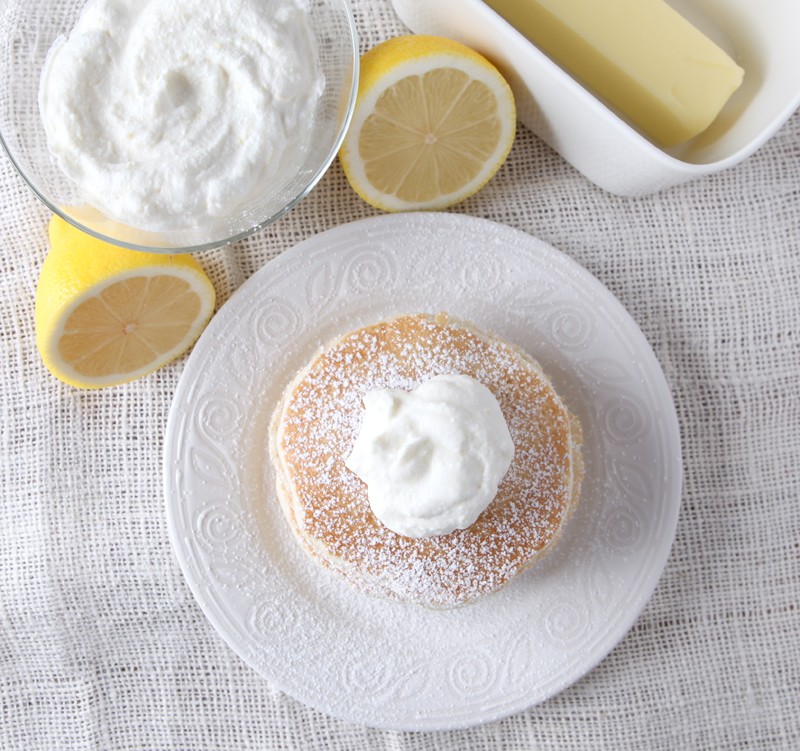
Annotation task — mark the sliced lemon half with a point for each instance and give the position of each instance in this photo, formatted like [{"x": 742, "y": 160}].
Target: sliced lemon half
[
  {"x": 107, "y": 315},
  {"x": 433, "y": 122}
]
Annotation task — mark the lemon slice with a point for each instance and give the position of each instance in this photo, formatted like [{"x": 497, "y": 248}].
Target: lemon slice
[
  {"x": 433, "y": 121},
  {"x": 107, "y": 315}
]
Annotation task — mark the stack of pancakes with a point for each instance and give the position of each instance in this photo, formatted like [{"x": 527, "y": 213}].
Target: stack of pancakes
[{"x": 319, "y": 417}]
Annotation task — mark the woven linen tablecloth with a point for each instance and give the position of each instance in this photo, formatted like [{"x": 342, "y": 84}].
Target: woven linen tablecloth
[{"x": 102, "y": 645}]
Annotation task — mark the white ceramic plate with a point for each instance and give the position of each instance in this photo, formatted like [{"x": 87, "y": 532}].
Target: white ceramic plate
[{"x": 384, "y": 664}]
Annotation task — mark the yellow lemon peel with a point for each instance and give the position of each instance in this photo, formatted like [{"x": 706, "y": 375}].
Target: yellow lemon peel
[{"x": 107, "y": 315}]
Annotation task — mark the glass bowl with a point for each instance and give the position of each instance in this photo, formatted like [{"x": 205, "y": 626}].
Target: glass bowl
[{"x": 28, "y": 29}]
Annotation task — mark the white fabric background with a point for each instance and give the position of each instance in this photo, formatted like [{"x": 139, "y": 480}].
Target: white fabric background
[{"x": 103, "y": 647}]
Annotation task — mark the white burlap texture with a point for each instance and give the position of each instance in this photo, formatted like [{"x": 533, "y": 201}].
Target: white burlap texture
[{"x": 102, "y": 645}]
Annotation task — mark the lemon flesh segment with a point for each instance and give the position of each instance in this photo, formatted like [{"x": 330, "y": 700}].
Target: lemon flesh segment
[
  {"x": 433, "y": 124},
  {"x": 128, "y": 325},
  {"x": 106, "y": 315}
]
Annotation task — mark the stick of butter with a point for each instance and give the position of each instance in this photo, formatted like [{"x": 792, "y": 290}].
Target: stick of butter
[{"x": 641, "y": 55}]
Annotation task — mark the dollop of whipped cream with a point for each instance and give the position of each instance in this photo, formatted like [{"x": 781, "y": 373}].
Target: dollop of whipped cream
[
  {"x": 171, "y": 114},
  {"x": 432, "y": 458}
]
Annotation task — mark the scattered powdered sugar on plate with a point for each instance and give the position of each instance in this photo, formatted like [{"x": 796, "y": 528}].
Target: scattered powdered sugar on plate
[{"x": 382, "y": 663}]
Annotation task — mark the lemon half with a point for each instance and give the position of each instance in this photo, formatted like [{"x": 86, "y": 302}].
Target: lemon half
[
  {"x": 107, "y": 315},
  {"x": 433, "y": 121}
]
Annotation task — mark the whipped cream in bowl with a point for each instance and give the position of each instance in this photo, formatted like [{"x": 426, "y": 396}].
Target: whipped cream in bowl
[
  {"x": 432, "y": 458},
  {"x": 170, "y": 115},
  {"x": 176, "y": 127}
]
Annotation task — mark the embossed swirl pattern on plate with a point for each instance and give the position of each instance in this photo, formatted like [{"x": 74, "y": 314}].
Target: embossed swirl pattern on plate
[
  {"x": 370, "y": 271},
  {"x": 217, "y": 417},
  {"x": 276, "y": 321},
  {"x": 566, "y": 622},
  {"x": 624, "y": 530},
  {"x": 485, "y": 273},
  {"x": 370, "y": 677},
  {"x": 266, "y": 618},
  {"x": 572, "y": 327},
  {"x": 216, "y": 525},
  {"x": 625, "y": 419},
  {"x": 473, "y": 673}
]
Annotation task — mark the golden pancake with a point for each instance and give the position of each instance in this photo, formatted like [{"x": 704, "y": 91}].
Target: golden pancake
[{"x": 319, "y": 417}]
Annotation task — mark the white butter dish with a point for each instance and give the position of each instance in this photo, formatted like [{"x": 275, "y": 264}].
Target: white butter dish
[{"x": 602, "y": 144}]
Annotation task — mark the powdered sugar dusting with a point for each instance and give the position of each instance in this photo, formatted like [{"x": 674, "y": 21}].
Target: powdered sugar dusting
[
  {"x": 383, "y": 663},
  {"x": 321, "y": 416}
]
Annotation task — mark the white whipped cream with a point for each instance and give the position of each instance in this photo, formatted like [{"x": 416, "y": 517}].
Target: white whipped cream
[
  {"x": 432, "y": 458},
  {"x": 171, "y": 114}
]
